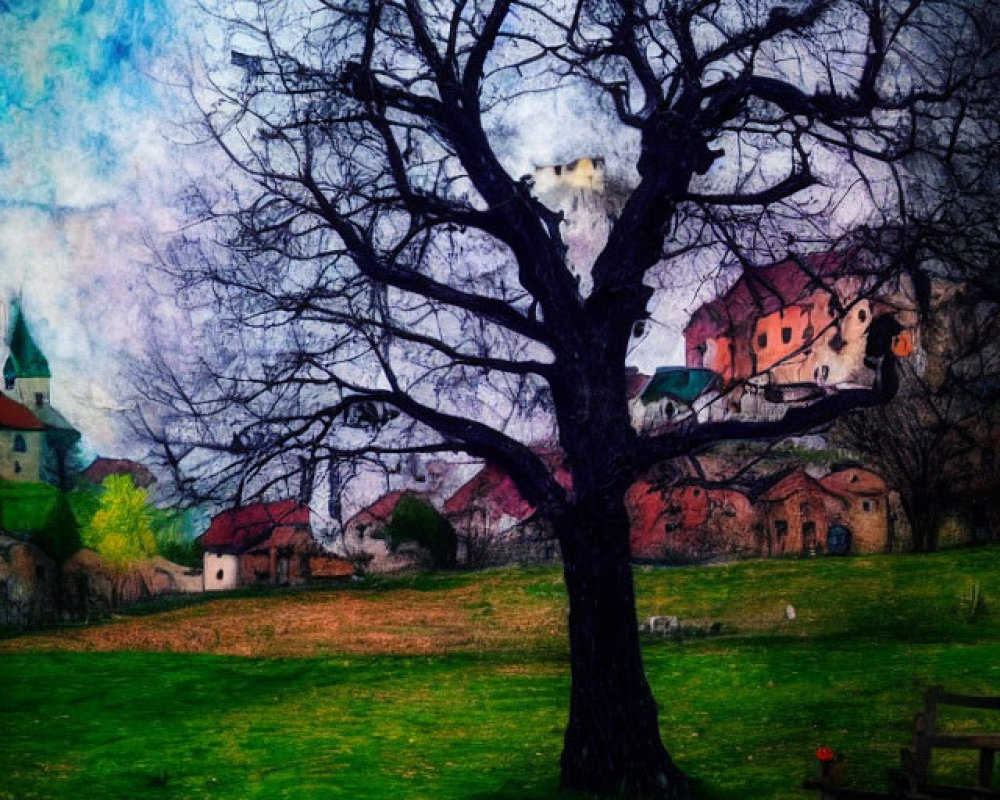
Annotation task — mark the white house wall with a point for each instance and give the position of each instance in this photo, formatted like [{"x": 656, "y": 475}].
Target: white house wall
[{"x": 221, "y": 571}]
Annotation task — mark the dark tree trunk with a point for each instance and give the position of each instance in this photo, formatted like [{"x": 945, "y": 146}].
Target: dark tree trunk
[
  {"x": 924, "y": 516},
  {"x": 612, "y": 743}
]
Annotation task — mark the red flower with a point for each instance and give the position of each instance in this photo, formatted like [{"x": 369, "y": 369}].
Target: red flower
[{"x": 824, "y": 753}]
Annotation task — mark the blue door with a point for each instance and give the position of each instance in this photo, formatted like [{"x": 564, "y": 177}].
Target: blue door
[{"x": 838, "y": 541}]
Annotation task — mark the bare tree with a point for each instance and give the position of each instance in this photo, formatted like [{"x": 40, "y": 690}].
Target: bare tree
[
  {"x": 375, "y": 248},
  {"x": 935, "y": 444}
]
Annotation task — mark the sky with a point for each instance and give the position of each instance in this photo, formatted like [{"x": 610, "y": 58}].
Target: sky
[
  {"x": 90, "y": 169},
  {"x": 86, "y": 173}
]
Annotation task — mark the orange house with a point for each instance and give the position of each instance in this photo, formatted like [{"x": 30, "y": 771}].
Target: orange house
[
  {"x": 793, "y": 516},
  {"x": 863, "y": 510},
  {"x": 688, "y": 521},
  {"x": 799, "y": 321}
]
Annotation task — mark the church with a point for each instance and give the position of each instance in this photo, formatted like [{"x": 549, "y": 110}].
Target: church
[{"x": 36, "y": 441}]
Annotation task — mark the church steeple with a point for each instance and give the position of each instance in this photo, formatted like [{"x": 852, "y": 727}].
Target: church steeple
[
  {"x": 26, "y": 371},
  {"x": 26, "y": 360}
]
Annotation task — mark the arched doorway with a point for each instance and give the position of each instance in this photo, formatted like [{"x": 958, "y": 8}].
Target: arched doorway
[{"x": 838, "y": 541}]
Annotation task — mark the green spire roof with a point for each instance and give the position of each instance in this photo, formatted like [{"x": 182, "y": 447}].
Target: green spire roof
[
  {"x": 684, "y": 384},
  {"x": 25, "y": 359}
]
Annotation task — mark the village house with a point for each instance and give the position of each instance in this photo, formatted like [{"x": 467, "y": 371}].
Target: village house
[
  {"x": 264, "y": 543},
  {"x": 689, "y": 521},
  {"x": 793, "y": 514},
  {"x": 35, "y": 439},
  {"x": 845, "y": 511},
  {"x": 670, "y": 395},
  {"x": 22, "y": 442},
  {"x": 495, "y": 525},
  {"x": 361, "y": 540},
  {"x": 802, "y": 321},
  {"x": 862, "y": 516}
]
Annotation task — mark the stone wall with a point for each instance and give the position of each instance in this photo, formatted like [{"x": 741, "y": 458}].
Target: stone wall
[
  {"x": 35, "y": 591},
  {"x": 28, "y": 585}
]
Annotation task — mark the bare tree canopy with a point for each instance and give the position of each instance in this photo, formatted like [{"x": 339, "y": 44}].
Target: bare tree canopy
[{"x": 377, "y": 248}]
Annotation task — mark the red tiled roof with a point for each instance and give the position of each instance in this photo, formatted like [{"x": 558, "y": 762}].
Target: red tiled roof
[
  {"x": 762, "y": 291},
  {"x": 793, "y": 483},
  {"x": 285, "y": 536},
  {"x": 14, "y": 416},
  {"x": 381, "y": 510},
  {"x": 492, "y": 487},
  {"x": 854, "y": 480},
  {"x": 236, "y": 530},
  {"x": 103, "y": 467}
]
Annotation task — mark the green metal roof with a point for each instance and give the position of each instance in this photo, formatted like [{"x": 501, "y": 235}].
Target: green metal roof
[
  {"x": 683, "y": 384},
  {"x": 26, "y": 360}
]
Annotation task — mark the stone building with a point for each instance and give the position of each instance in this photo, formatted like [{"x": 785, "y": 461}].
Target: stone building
[
  {"x": 845, "y": 511},
  {"x": 793, "y": 516},
  {"x": 579, "y": 191}
]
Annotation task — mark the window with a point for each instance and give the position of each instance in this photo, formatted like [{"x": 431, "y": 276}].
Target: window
[
  {"x": 762, "y": 340},
  {"x": 219, "y": 574},
  {"x": 39, "y": 399},
  {"x": 808, "y": 333},
  {"x": 786, "y": 335},
  {"x": 17, "y": 467},
  {"x": 825, "y": 372},
  {"x": 20, "y": 446},
  {"x": 9, "y": 381},
  {"x": 697, "y": 492},
  {"x": 866, "y": 505},
  {"x": 781, "y": 529},
  {"x": 808, "y": 536},
  {"x": 862, "y": 315}
]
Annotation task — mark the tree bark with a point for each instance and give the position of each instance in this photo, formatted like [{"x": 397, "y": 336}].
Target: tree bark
[
  {"x": 612, "y": 743},
  {"x": 924, "y": 517}
]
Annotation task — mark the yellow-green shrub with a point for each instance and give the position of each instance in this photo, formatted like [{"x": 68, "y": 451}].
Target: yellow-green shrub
[{"x": 121, "y": 530}]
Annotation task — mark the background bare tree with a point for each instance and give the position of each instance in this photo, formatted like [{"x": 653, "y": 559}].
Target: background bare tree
[
  {"x": 935, "y": 444},
  {"x": 375, "y": 248}
]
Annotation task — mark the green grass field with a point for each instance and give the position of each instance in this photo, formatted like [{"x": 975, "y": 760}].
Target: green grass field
[{"x": 353, "y": 711}]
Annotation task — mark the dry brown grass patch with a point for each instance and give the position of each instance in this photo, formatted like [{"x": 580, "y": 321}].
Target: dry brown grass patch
[{"x": 401, "y": 622}]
